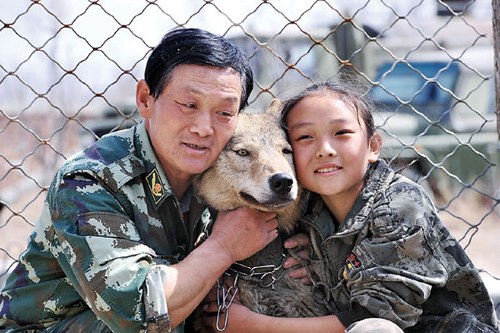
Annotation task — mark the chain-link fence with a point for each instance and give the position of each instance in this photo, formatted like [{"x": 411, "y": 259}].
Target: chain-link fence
[{"x": 68, "y": 71}]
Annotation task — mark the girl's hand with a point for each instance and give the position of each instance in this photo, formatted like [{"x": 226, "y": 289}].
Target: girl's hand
[
  {"x": 300, "y": 244},
  {"x": 239, "y": 319}
]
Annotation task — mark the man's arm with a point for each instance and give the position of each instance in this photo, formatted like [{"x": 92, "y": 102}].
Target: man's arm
[
  {"x": 236, "y": 235},
  {"x": 101, "y": 253}
]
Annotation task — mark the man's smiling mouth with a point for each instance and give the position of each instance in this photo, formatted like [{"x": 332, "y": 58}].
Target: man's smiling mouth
[{"x": 190, "y": 145}]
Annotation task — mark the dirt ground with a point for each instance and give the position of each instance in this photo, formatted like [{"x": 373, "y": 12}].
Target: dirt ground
[{"x": 477, "y": 227}]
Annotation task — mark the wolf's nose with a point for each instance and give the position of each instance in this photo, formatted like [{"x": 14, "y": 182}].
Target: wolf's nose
[{"x": 281, "y": 183}]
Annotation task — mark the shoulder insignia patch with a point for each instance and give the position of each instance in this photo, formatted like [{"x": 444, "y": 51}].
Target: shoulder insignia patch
[
  {"x": 351, "y": 262},
  {"x": 155, "y": 185}
]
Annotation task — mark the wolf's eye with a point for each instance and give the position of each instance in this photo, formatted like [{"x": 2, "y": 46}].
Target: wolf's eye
[
  {"x": 243, "y": 152},
  {"x": 287, "y": 151}
]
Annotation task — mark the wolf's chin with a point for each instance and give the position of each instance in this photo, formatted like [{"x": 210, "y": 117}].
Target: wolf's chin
[{"x": 265, "y": 206}]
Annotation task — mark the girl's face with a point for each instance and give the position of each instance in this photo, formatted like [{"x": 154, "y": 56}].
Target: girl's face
[{"x": 330, "y": 147}]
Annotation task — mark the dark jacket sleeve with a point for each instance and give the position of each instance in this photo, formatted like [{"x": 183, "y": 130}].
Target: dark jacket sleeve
[{"x": 399, "y": 263}]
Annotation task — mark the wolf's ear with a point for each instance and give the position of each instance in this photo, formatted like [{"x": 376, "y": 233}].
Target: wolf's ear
[{"x": 275, "y": 105}]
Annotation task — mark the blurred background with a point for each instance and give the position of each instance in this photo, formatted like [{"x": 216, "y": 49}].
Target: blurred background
[{"x": 68, "y": 71}]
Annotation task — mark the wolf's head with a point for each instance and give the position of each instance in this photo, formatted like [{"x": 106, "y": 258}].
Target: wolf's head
[{"x": 255, "y": 169}]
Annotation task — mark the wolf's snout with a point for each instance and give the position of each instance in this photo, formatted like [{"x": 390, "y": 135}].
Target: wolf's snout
[{"x": 281, "y": 183}]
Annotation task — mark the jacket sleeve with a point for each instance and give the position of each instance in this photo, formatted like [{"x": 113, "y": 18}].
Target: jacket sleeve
[
  {"x": 392, "y": 271},
  {"x": 101, "y": 252}
]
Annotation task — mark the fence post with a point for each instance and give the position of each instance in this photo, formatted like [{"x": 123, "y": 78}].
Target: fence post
[{"x": 496, "y": 46}]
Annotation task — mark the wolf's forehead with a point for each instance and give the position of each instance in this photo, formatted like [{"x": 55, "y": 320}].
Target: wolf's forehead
[
  {"x": 257, "y": 126},
  {"x": 261, "y": 129},
  {"x": 273, "y": 136},
  {"x": 246, "y": 139}
]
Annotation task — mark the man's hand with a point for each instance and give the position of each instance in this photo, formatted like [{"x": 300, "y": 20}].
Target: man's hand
[
  {"x": 300, "y": 244},
  {"x": 244, "y": 231}
]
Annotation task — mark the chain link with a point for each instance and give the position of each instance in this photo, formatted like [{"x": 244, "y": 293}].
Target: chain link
[
  {"x": 225, "y": 298},
  {"x": 321, "y": 291},
  {"x": 264, "y": 275}
]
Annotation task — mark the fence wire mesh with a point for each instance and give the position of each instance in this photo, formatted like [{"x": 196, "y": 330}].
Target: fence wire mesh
[{"x": 68, "y": 72}]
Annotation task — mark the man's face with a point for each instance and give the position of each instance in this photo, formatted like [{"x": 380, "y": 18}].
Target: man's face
[{"x": 193, "y": 118}]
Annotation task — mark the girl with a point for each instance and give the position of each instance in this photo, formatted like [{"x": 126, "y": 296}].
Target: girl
[
  {"x": 381, "y": 243},
  {"x": 376, "y": 239}
]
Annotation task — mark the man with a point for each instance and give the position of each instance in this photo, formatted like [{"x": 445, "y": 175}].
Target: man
[{"x": 122, "y": 244}]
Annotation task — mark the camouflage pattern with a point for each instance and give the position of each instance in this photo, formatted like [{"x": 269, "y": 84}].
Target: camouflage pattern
[
  {"x": 393, "y": 258},
  {"x": 109, "y": 227}
]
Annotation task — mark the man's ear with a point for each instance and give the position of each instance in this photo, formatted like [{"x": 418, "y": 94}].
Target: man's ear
[
  {"x": 275, "y": 106},
  {"x": 143, "y": 98},
  {"x": 375, "y": 146}
]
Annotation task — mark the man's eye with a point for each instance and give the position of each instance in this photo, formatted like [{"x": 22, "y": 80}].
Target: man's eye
[
  {"x": 187, "y": 105},
  {"x": 226, "y": 113}
]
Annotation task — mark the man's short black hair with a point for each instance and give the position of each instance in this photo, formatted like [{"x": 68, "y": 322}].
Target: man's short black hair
[{"x": 197, "y": 47}]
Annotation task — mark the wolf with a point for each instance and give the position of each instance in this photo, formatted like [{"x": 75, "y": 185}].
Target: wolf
[{"x": 255, "y": 169}]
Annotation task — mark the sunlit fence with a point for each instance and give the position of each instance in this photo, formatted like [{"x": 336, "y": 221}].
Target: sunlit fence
[{"x": 68, "y": 71}]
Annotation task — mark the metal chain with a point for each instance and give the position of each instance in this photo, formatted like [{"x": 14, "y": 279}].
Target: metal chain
[
  {"x": 261, "y": 274},
  {"x": 224, "y": 300},
  {"x": 321, "y": 291},
  {"x": 257, "y": 274}
]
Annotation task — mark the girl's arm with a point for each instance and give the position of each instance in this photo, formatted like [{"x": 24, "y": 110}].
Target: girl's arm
[{"x": 242, "y": 320}]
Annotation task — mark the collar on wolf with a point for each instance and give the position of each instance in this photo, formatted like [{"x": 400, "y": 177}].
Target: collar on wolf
[{"x": 264, "y": 275}]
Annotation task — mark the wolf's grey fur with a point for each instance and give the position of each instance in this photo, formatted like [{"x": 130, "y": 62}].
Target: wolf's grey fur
[{"x": 256, "y": 169}]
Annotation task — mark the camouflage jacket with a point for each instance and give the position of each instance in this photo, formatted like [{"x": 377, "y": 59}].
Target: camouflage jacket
[
  {"x": 109, "y": 227},
  {"x": 393, "y": 258}
]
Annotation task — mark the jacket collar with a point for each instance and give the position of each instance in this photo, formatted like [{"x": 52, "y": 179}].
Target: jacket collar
[
  {"x": 158, "y": 186},
  {"x": 377, "y": 179}
]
